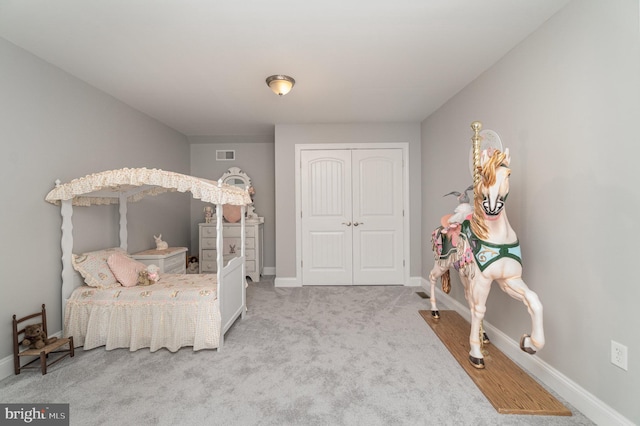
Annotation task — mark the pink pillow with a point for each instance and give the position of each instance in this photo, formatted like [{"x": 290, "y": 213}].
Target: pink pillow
[{"x": 125, "y": 269}]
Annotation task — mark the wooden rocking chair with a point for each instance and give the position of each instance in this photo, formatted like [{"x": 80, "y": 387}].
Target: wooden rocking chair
[{"x": 43, "y": 352}]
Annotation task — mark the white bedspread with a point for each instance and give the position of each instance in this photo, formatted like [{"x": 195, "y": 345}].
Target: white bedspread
[{"x": 180, "y": 310}]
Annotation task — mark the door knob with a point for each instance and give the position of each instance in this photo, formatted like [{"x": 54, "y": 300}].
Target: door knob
[
  {"x": 347, "y": 223},
  {"x": 356, "y": 223}
]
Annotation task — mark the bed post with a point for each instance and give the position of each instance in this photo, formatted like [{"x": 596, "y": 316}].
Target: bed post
[
  {"x": 123, "y": 221},
  {"x": 219, "y": 248},
  {"x": 219, "y": 262},
  {"x": 66, "y": 243},
  {"x": 243, "y": 210}
]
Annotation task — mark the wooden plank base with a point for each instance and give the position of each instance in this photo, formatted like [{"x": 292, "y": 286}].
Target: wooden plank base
[{"x": 507, "y": 387}]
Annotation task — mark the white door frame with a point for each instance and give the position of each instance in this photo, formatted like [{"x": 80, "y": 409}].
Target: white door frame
[{"x": 405, "y": 196}]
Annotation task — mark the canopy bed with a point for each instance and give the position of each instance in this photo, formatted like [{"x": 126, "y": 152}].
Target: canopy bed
[{"x": 179, "y": 310}]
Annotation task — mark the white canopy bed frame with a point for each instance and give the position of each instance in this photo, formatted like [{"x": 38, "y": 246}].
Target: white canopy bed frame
[{"x": 128, "y": 185}]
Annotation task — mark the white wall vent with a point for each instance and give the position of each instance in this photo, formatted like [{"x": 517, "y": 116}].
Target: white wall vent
[{"x": 225, "y": 155}]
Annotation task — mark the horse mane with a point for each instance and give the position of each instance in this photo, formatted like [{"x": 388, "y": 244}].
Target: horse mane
[{"x": 487, "y": 178}]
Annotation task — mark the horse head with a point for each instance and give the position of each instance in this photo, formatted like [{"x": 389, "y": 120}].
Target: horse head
[{"x": 490, "y": 193}]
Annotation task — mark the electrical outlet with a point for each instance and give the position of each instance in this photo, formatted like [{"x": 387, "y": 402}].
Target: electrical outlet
[{"x": 619, "y": 355}]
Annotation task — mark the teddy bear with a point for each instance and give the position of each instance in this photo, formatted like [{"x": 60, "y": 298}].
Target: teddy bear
[
  {"x": 149, "y": 276},
  {"x": 35, "y": 337},
  {"x": 143, "y": 278}
]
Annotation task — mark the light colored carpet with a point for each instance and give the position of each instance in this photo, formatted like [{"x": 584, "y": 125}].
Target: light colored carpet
[{"x": 301, "y": 356}]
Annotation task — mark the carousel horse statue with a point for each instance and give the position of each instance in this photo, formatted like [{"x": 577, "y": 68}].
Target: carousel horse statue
[{"x": 483, "y": 249}]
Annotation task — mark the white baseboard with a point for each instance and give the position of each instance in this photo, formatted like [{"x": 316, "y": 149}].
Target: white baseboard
[
  {"x": 415, "y": 282},
  {"x": 293, "y": 282},
  {"x": 269, "y": 270},
  {"x": 587, "y": 403},
  {"x": 287, "y": 282},
  {"x": 6, "y": 367}
]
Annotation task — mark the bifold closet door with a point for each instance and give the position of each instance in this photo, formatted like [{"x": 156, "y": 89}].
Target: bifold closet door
[
  {"x": 326, "y": 217},
  {"x": 377, "y": 203},
  {"x": 352, "y": 219}
]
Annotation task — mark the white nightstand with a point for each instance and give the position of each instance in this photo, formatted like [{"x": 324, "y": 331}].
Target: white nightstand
[{"x": 170, "y": 261}]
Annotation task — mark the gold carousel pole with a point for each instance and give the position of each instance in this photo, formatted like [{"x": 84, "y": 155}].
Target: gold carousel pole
[
  {"x": 476, "y": 126},
  {"x": 477, "y": 223}
]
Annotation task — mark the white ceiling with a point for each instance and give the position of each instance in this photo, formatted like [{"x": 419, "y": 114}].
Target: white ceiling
[{"x": 199, "y": 66}]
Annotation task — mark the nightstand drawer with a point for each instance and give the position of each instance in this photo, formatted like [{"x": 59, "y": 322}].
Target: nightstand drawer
[
  {"x": 210, "y": 263},
  {"x": 174, "y": 262},
  {"x": 178, "y": 269},
  {"x": 227, "y": 231},
  {"x": 208, "y": 266},
  {"x": 211, "y": 255},
  {"x": 208, "y": 232},
  {"x": 208, "y": 256},
  {"x": 208, "y": 243},
  {"x": 234, "y": 231},
  {"x": 250, "y": 243}
]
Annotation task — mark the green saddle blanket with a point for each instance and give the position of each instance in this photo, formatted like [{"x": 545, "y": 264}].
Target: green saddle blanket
[{"x": 486, "y": 253}]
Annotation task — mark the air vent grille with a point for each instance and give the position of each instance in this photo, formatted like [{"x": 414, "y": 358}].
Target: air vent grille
[{"x": 225, "y": 155}]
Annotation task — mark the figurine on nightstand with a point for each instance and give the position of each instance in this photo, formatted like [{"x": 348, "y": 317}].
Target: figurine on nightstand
[
  {"x": 160, "y": 245},
  {"x": 208, "y": 214}
]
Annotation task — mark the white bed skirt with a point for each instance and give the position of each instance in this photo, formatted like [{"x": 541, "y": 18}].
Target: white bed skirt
[
  {"x": 153, "y": 325},
  {"x": 144, "y": 326}
]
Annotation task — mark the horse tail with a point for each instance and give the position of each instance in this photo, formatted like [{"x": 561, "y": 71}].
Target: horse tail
[{"x": 446, "y": 282}]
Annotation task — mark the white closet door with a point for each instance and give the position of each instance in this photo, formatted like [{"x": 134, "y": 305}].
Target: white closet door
[
  {"x": 352, "y": 220},
  {"x": 326, "y": 217},
  {"x": 377, "y": 216}
]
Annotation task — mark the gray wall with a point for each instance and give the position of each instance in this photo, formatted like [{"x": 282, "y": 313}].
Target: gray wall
[
  {"x": 566, "y": 102},
  {"x": 54, "y": 126},
  {"x": 288, "y": 135},
  {"x": 254, "y": 156}
]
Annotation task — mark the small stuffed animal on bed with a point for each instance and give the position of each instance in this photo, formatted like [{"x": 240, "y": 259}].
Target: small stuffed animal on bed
[
  {"x": 35, "y": 337},
  {"x": 153, "y": 272},
  {"x": 160, "y": 245},
  {"x": 143, "y": 278},
  {"x": 149, "y": 276}
]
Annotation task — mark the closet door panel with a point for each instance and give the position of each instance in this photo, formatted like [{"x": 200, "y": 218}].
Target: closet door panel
[
  {"x": 326, "y": 217},
  {"x": 377, "y": 217}
]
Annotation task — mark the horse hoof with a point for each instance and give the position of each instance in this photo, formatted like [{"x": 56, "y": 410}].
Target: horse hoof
[
  {"x": 526, "y": 348},
  {"x": 485, "y": 339},
  {"x": 435, "y": 314},
  {"x": 476, "y": 362}
]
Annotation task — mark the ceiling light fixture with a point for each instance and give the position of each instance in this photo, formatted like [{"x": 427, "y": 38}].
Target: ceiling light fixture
[{"x": 280, "y": 84}]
